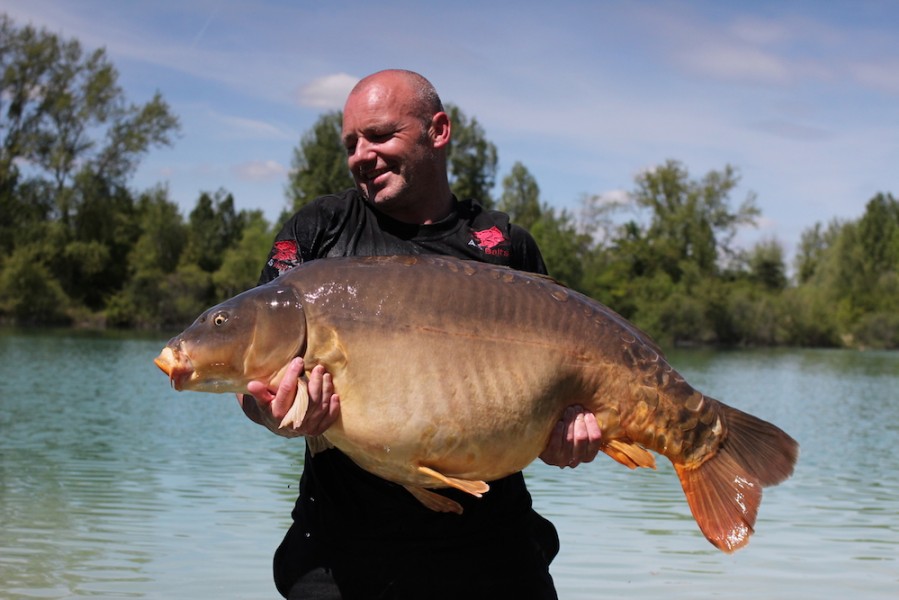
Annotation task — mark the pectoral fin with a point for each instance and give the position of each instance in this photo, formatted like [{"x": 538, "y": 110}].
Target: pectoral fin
[
  {"x": 435, "y": 501},
  {"x": 475, "y": 488},
  {"x": 296, "y": 414},
  {"x": 629, "y": 454}
]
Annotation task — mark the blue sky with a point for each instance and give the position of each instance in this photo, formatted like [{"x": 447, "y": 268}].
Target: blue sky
[{"x": 802, "y": 97}]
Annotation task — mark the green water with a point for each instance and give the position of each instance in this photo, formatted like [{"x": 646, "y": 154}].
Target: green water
[{"x": 112, "y": 485}]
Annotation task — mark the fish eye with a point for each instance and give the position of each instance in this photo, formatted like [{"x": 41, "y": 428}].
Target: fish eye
[{"x": 220, "y": 319}]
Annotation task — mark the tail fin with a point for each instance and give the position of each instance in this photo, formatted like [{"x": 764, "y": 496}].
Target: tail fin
[{"x": 724, "y": 492}]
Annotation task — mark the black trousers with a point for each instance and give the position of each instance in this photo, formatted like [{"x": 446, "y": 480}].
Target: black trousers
[{"x": 509, "y": 568}]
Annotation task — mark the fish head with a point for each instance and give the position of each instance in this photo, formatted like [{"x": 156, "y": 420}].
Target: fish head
[{"x": 250, "y": 337}]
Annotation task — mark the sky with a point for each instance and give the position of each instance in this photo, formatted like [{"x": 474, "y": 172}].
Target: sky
[{"x": 801, "y": 97}]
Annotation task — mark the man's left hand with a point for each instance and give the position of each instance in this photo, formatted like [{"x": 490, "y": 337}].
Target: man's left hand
[{"x": 575, "y": 439}]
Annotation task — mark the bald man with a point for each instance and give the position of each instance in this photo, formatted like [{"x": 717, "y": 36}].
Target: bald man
[{"x": 355, "y": 535}]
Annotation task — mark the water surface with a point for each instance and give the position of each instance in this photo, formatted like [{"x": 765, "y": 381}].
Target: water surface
[{"x": 112, "y": 485}]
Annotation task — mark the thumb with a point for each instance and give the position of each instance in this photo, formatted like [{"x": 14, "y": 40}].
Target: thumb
[{"x": 260, "y": 391}]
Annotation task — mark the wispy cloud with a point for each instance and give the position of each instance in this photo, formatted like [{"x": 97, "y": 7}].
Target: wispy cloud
[
  {"x": 242, "y": 127},
  {"x": 260, "y": 170},
  {"x": 883, "y": 76},
  {"x": 328, "y": 92}
]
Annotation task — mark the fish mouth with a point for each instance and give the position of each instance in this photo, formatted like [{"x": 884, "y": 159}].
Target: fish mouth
[{"x": 176, "y": 366}]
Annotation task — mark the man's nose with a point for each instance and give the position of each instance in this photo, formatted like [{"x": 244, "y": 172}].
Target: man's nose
[{"x": 362, "y": 153}]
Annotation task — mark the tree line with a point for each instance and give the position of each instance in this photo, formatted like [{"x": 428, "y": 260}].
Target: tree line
[{"x": 79, "y": 246}]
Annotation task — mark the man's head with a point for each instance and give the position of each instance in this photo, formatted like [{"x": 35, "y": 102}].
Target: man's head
[{"x": 397, "y": 135}]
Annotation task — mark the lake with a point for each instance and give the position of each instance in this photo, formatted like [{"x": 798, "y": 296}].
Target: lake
[{"x": 113, "y": 485}]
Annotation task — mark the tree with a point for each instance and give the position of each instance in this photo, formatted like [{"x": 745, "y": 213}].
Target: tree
[
  {"x": 69, "y": 142},
  {"x": 162, "y": 233},
  {"x": 241, "y": 263},
  {"x": 472, "y": 159},
  {"x": 879, "y": 235},
  {"x": 62, "y": 112},
  {"x": 521, "y": 196},
  {"x": 767, "y": 267},
  {"x": 691, "y": 221},
  {"x": 562, "y": 247},
  {"x": 319, "y": 164},
  {"x": 213, "y": 227}
]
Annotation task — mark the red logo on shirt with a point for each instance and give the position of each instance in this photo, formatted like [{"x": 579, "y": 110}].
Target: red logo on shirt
[
  {"x": 490, "y": 241},
  {"x": 285, "y": 256}
]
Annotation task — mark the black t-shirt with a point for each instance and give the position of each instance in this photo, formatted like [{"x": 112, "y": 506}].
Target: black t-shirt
[{"x": 370, "y": 532}]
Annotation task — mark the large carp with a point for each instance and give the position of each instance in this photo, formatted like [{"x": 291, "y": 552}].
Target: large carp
[{"x": 453, "y": 373}]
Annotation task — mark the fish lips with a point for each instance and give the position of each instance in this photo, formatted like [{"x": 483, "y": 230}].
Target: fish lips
[{"x": 177, "y": 366}]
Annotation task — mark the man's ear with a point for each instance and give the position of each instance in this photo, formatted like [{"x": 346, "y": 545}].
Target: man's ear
[{"x": 440, "y": 130}]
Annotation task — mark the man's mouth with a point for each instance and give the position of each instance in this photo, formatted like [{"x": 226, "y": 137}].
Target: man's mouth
[{"x": 375, "y": 177}]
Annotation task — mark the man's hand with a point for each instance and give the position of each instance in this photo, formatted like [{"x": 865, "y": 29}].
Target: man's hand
[
  {"x": 576, "y": 439},
  {"x": 269, "y": 407}
]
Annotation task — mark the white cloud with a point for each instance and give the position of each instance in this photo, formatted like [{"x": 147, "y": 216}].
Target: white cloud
[
  {"x": 259, "y": 170},
  {"x": 882, "y": 76},
  {"x": 736, "y": 63},
  {"x": 252, "y": 128},
  {"x": 328, "y": 92}
]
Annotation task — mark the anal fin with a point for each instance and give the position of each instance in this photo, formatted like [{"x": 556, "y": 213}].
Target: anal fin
[
  {"x": 629, "y": 454},
  {"x": 473, "y": 487},
  {"x": 435, "y": 501}
]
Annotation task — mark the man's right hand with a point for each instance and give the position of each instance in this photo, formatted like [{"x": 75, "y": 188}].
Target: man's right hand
[{"x": 269, "y": 407}]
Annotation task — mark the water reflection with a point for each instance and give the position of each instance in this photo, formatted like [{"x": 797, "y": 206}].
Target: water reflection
[{"x": 112, "y": 485}]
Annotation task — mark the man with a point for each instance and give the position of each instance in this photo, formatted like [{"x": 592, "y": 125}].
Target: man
[{"x": 372, "y": 536}]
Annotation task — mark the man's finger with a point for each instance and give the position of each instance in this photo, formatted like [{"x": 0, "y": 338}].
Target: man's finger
[{"x": 287, "y": 389}]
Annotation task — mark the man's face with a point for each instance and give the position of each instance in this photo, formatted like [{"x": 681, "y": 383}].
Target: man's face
[{"x": 389, "y": 149}]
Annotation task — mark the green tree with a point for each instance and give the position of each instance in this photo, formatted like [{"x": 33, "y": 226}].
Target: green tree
[
  {"x": 691, "y": 221},
  {"x": 563, "y": 248},
  {"x": 767, "y": 267},
  {"x": 521, "y": 196},
  {"x": 62, "y": 112},
  {"x": 879, "y": 236},
  {"x": 69, "y": 142},
  {"x": 241, "y": 267},
  {"x": 663, "y": 269},
  {"x": 319, "y": 164},
  {"x": 213, "y": 226},
  {"x": 28, "y": 291},
  {"x": 472, "y": 159},
  {"x": 144, "y": 300},
  {"x": 162, "y": 233},
  {"x": 813, "y": 244}
]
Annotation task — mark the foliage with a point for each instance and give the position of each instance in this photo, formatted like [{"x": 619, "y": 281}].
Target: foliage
[
  {"x": 853, "y": 266},
  {"x": 76, "y": 244},
  {"x": 213, "y": 226},
  {"x": 521, "y": 196},
  {"x": 472, "y": 159},
  {"x": 319, "y": 164},
  {"x": 242, "y": 263}
]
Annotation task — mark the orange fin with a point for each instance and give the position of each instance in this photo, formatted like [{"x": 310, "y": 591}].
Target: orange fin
[
  {"x": 724, "y": 492},
  {"x": 297, "y": 413},
  {"x": 475, "y": 488},
  {"x": 435, "y": 501},
  {"x": 629, "y": 454}
]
